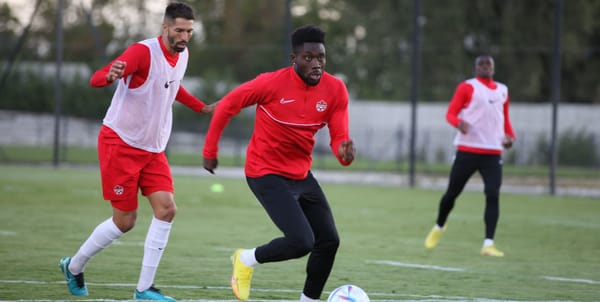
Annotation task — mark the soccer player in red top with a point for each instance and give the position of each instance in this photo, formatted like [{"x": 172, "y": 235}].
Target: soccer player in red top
[
  {"x": 292, "y": 104},
  {"x": 479, "y": 110},
  {"x": 131, "y": 146}
]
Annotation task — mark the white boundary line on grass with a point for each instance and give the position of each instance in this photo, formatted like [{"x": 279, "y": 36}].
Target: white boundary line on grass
[
  {"x": 455, "y": 269},
  {"x": 414, "y": 265},
  {"x": 576, "y": 280},
  {"x": 394, "y": 297},
  {"x": 128, "y": 243}
]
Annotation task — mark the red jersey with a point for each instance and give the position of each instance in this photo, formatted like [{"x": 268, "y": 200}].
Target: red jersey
[
  {"x": 288, "y": 114},
  {"x": 464, "y": 100},
  {"x": 137, "y": 57}
]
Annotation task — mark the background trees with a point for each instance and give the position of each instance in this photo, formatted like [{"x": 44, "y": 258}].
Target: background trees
[{"x": 368, "y": 44}]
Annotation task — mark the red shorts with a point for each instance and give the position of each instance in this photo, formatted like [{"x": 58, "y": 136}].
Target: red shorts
[{"x": 125, "y": 169}]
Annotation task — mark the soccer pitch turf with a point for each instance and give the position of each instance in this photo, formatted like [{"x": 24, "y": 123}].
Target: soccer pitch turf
[{"x": 552, "y": 244}]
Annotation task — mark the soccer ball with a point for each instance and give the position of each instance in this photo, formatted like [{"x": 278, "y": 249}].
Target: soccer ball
[{"x": 348, "y": 293}]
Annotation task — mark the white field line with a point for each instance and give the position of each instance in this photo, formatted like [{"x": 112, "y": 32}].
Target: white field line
[
  {"x": 7, "y": 233},
  {"x": 576, "y": 280},
  {"x": 128, "y": 243},
  {"x": 414, "y": 265},
  {"x": 386, "y": 297}
]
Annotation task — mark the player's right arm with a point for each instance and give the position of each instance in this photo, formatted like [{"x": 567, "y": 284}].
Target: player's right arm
[
  {"x": 134, "y": 60},
  {"x": 247, "y": 94},
  {"x": 460, "y": 100}
]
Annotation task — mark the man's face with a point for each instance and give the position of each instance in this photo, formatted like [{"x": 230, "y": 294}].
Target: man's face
[
  {"x": 309, "y": 61},
  {"x": 484, "y": 67},
  {"x": 178, "y": 34}
]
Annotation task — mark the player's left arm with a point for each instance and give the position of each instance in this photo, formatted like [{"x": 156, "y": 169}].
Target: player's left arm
[
  {"x": 509, "y": 137},
  {"x": 186, "y": 98},
  {"x": 341, "y": 144}
]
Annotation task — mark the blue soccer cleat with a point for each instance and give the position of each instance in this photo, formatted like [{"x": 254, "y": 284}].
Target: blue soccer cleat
[
  {"x": 75, "y": 283},
  {"x": 151, "y": 293}
]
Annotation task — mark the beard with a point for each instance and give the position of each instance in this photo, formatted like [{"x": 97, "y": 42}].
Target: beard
[
  {"x": 306, "y": 77},
  {"x": 176, "y": 46}
]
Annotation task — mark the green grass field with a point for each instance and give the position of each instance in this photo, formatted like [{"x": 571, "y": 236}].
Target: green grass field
[{"x": 552, "y": 244}]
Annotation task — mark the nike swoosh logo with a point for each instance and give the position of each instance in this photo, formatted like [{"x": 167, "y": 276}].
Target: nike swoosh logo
[
  {"x": 284, "y": 101},
  {"x": 168, "y": 83}
]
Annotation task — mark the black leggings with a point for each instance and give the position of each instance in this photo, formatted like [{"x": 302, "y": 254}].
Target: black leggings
[
  {"x": 301, "y": 212},
  {"x": 490, "y": 168}
]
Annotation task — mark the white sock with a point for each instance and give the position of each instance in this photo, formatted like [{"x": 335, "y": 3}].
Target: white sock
[
  {"x": 487, "y": 242},
  {"x": 438, "y": 227},
  {"x": 156, "y": 241},
  {"x": 304, "y": 298},
  {"x": 103, "y": 235},
  {"x": 247, "y": 257}
]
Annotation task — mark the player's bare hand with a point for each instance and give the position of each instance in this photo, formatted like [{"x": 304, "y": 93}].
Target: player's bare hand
[
  {"x": 464, "y": 127},
  {"x": 210, "y": 108},
  {"x": 347, "y": 151},
  {"x": 210, "y": 164},
  {"x": 508, "y": 142},
  {"x": 116, "y": 71}
]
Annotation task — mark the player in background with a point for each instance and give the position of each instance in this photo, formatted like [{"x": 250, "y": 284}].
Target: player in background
[
  {"x": 292, "y": 104},
  {"x": 131, "y": 146},
  {"x": 479, "y": 110}
]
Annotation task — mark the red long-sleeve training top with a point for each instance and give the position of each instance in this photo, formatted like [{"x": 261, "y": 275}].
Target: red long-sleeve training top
[{"x": 288, "y": 114}]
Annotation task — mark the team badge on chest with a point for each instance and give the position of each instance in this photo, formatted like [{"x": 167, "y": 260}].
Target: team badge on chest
[{"x": 321, "y": 106}]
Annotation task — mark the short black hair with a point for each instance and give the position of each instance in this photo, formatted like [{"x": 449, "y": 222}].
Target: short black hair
[
  {"x": 482, "y": 56},
  {"x": 178, "y": 10},
  {"x": 307, "y": 34}
]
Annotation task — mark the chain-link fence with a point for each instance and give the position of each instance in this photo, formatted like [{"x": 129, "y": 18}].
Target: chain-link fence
[{"x": 381, "y": 131}]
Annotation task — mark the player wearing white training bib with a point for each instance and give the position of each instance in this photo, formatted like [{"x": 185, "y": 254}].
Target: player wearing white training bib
[
  {"x": 131, "y": 146},
  {"x": 486, "y": 110},
  {"x": 479, "y": 110},
  {"x": 149, "y": 104}
]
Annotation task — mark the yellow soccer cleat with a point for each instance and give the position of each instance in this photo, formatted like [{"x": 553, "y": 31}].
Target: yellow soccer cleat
[
  {"x": 491, "y": 251},
  {"x": 433, "y": 237},
  {"x": 241, "y": 277}
]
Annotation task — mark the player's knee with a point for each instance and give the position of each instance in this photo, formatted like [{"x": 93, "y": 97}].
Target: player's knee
[
  {"x": 125, "y": 225},
  {"x": 124, "y": 220},
  {"x": 334, "y": 244},
  {"x": 492, "y": 195},
  {"x": 301, "y": 247},
  {"x": 166, "y": 212},
  {"x": 329, "y": 246}
]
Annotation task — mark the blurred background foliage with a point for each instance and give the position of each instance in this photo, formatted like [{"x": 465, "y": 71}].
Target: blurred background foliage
[{"x": 368, "y": 45}]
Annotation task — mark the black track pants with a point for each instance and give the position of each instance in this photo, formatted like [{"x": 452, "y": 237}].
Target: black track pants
[
  {"x": 301, "y": 212},
  {"x": 490, "y": 168}
]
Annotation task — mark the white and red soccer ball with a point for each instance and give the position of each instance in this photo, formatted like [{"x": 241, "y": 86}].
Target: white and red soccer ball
[{"x": 348, "y": 293}]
